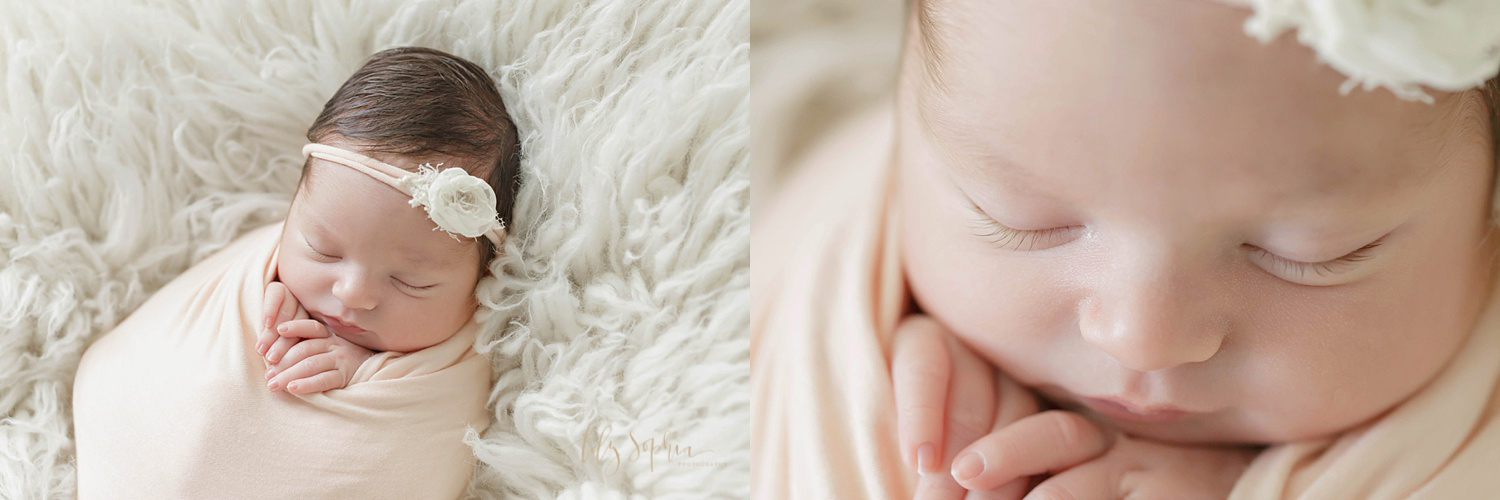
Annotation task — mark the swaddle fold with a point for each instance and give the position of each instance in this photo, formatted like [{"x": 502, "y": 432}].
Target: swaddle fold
[{"x": 173, "y": 403}]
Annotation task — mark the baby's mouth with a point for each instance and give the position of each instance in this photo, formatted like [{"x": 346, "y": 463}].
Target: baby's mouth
[
  {"x": 1117, "y": 408},
  {"x": 340, "y": 327},
  {"x": 1123, "y": 410}
]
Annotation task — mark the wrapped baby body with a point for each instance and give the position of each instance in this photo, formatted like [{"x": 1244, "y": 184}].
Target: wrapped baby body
[{"x": 173, "y": 403}]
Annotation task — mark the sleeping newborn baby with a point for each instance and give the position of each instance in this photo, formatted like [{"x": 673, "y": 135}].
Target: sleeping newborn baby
[
  {"x": 363, "y": 290},
  {"x": 358, "y": 313},
  {"x": 365, "y": 293},
  {"x": 1198, "y": 269}
]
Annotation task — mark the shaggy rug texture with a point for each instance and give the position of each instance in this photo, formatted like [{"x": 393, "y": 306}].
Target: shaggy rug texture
[{"x": 137, "y": 138}]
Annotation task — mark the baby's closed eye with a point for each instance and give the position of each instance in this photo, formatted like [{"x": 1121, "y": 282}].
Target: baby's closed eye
[
  {"x": 1324, "y": 273},
  {"x": 1327, "y": 272},
  {"x": 415, "y": 287}
]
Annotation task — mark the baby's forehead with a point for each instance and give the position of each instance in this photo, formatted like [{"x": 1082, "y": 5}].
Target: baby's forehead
[
  {"x": 356, "y": 208},
  {"x": 1173, "y": 82}
]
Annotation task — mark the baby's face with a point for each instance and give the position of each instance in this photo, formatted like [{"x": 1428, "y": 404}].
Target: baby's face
[
  {"x": 1135, "y": 201},
  {"x": 354, "y": 252}
]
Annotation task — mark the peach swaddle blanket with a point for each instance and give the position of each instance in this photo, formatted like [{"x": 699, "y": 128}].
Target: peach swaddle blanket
[
  {"x": 173, "y": 403},
  {"x": 829, "y": 293}
]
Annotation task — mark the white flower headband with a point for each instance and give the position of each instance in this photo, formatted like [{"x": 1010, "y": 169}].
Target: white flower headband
[
  {"x": 1402, "y": 45},
  {"x": 457, "y": 202}
]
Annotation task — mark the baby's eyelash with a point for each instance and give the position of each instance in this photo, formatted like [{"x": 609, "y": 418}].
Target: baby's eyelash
[
  {"x": 1325, "y": 268},
  {"x": 1018, "y": 239},
  {"x": 1013, "y": 239},
  {"x": 413, "y": 287},
  {"x": 316, "y": 253}
]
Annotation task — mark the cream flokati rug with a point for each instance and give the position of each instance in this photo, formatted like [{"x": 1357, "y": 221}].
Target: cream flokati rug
[{"x": 137, "y": 138}]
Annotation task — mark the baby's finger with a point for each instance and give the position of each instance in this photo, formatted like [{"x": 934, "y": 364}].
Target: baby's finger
[
  {"x": 1013, "y": 403},
  {"x": 1013, "y": 490},
  {"x": 919, "y": 376},
  {"x": 302, "y": 368},
  {"x": 970, "y": 415},
  {"x": 280, "y": 347},
  {"x": 325, "y": 381},
  {"x": 289, "y": 306},
  {"x": 299, "y": 352},
  {"x": 1090, "y": 480},
  {"x": 264, "y": 339},
  {"x": 303, "y": 329},
  {"x": 1048, "y": 441},
  {"x": 275, "y": 293}
]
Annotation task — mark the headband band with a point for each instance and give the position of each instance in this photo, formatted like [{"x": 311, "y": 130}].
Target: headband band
[{"x": 457, "y": 202}]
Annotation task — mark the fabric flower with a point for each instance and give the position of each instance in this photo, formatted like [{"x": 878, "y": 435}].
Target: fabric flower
[
  {"x": 1449, "y": 45},
  {"x": 458, "y": 202}
]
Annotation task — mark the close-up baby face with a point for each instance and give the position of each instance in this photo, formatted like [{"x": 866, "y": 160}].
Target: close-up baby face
[
  {"x": 372, "y": 267},
  {"x": 1151, "y": 217}
]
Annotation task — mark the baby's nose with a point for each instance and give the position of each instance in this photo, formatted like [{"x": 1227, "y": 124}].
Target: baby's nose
[
  {"x": 355, "y": 292},
  {"x": 1154, "y": 327}
]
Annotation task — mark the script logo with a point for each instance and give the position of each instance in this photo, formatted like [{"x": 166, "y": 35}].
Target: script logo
[{"x": 601, "y": 447}]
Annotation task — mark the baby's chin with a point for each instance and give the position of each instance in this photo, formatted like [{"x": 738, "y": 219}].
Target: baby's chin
[
  {"x": 366, "y": 340},
  {"x": 375, "y": 342}
]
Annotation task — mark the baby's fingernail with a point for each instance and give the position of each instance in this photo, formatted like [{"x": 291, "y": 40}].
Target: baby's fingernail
[
  {"x": 925, "y": 457},
  {"x": 968, "y": 466},
  {"x": 271, "y": 385},
  {"x": 292, "y": 387},
  {"x": 281, "y": 328}
]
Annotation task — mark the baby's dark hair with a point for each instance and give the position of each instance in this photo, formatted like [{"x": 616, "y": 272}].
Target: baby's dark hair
[{"x": 414, "y": 100}]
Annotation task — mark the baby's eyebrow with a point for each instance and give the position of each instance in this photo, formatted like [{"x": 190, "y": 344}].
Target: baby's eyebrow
[
  {"x": 962, "y": 140},
  {"x": 417, "y": 259},
  {"x": 318, "y": 227},
  {"x": 984, "y": 165},
  {"x": 424, "y": 261}
]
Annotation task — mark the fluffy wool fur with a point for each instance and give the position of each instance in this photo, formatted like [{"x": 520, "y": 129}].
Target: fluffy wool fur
[{"x": 137, "y": 138}]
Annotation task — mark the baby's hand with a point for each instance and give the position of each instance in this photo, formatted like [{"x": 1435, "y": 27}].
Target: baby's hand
[
  {"x": 279, "y": 307},
  {"x": 320, "y": 361},
  {"x": 305, "y": 357},
  {"x": 1088, "y": 461},
  {"x": 940, "y": 383}
]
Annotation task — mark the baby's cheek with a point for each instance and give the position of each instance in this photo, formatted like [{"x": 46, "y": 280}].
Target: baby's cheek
[
  {"x": 300, "y": 279},
  {"x": 1021, "y": 325},
  {"x": 1330, "y": 359},
  {"x": 991, "y": 301},
  {"x": 428, "y": 323}
]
